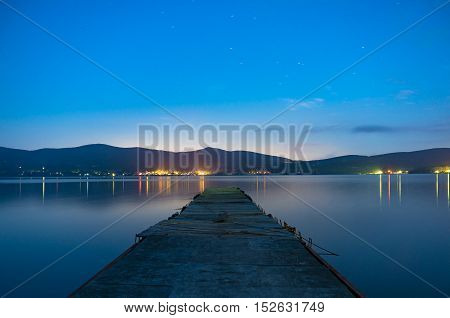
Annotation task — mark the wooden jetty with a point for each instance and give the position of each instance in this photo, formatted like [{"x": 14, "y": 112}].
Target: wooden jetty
[{"x": 220, "y": 245}]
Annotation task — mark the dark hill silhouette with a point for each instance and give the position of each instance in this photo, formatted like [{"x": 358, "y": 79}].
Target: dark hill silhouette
[{"x": 103, "y": 159}]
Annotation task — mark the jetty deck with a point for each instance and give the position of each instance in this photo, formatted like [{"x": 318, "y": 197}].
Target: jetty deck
[{"x": 220, "y": 245}]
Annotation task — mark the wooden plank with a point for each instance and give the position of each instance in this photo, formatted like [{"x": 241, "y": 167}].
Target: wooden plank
[{"x": 221, "y": 245}]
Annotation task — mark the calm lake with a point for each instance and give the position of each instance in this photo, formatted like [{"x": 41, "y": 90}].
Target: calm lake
[{"x": 392, "y": 233}]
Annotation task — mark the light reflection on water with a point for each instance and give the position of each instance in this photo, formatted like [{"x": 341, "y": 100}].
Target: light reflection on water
[{"x": 405, "y": 216}]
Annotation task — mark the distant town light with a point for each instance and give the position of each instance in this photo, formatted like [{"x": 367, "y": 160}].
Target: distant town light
[
  {"x": 442, "y": 170},
  {"x": 258, "y": 172},
  {"x": 202, "y": 173},
  {"x": 389, "y": 172}
]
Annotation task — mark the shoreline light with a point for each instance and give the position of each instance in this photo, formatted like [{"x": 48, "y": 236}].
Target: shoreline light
[
  {"x": 202, "y": 173},
  {"x": 379, "y": 172},
  {"x": 161, "y": 172},
  {"x": 442, "y": 170},
  {"x": 259, "y": 172}
]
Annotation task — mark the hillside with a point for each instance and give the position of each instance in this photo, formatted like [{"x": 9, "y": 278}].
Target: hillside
[{"x": 103, "y": 159}]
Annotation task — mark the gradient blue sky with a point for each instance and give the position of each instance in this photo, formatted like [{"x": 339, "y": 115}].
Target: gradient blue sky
[{"x": 228, "y": 62}]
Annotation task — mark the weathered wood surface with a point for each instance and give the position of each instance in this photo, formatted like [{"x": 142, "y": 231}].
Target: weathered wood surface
[{"x": 221, "y": 245}]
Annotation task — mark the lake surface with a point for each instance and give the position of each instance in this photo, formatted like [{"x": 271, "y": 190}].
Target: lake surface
[{"x": 392, "y": 233}]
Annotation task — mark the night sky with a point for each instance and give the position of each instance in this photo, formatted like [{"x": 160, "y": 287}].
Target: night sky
[{"x": 233, "y": 62}]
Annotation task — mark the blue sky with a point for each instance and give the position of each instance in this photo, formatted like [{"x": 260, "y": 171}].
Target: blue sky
[{"x": 232, "y": 62}]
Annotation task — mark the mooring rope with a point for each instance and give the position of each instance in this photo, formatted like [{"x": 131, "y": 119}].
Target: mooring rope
[
  {"x": 294, "y": 230},
  {"x": 309, "y": 242},
  {"x": 297, "y": 233}
]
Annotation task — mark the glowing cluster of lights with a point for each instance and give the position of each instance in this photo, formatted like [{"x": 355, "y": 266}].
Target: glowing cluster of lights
[
  {"x": 202, "y": 173},
  {"x": 389, "y": 172},
  {"x": 161, "y": 172},
  {"x": 442, "y": 170},
  {"x": 259, "y": 172}
]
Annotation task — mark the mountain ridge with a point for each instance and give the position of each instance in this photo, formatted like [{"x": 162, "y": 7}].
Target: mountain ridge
[{"x": 103, "y": 159}]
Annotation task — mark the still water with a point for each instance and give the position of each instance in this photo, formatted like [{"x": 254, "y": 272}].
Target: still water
[{"x": 392, "y": 233}]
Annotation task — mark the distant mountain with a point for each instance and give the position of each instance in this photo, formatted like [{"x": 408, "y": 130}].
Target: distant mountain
[
  {"x": 103, "y": 159},
  {"x": 422, "y": 161}
]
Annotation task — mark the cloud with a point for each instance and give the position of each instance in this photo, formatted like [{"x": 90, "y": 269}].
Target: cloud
[
  {"x": 405, "y": 94},
  {"x": 433, "y": 128},
  {"x": 306, "y": 103},
  {"x": 369, "y": 129}
]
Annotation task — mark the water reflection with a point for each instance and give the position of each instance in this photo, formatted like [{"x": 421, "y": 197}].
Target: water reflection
[
  {"x": 381, "y": 188},
  {"x": 448, "y": 190},
  {"x": 140, "y": 185},
  {"x": 389, "y": 189},
  {"x": 438, "y": 185},
  {"x": 201, "y": 181},
  {"x": 175, "y": 186},
  {"x": 260, "y": 186},
  {"x": 264, "y": 186},
  {"x": 437, "y": 189},
  {"x": 350, "y": 199},
  {"x": 113, "y": 187},
  {"x": 168, "y": 185},
  {"x": 160, "y": 184},
  {"x": 43, "y": 190}
]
